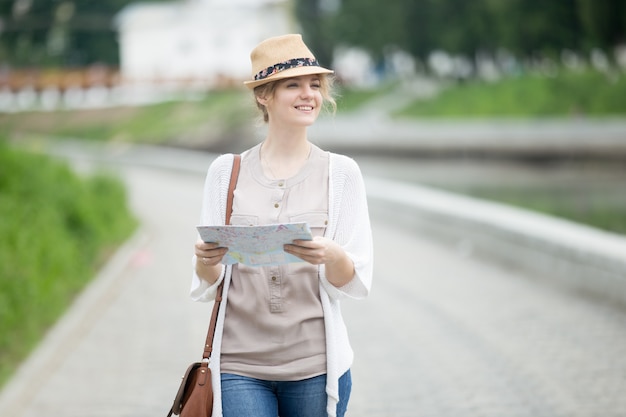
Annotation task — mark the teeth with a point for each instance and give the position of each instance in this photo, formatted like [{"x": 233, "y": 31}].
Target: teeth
[{"x": 304, "y": 108}]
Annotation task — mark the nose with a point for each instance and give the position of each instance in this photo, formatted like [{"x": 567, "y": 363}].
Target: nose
[{"x": 306, "y": 91}]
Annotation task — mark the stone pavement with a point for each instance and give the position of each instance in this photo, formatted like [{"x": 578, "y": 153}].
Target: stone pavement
[{"x": 443, "y": 334}]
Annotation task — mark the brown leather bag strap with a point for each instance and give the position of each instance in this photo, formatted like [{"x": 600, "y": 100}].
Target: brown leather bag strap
[
  {"x": 231, "y": 187},
  {"x": 208, "y": 345}
]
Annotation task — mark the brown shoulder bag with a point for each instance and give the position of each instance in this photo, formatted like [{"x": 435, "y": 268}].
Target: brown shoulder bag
[{"x": 195, "y": 394}]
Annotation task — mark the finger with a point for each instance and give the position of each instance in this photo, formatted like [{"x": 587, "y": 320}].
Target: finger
[
  {"x": 212, "y": 257},
  {"x": 309, "y": 244},
  {"x": 216, "y": 252},
  {"x": 309, "y": 255},
  {"x": 210, "y": 253},
  {"x": 209, "y": 245},
  {"x": 209, "y": 261},
  {"x": 295, "y": 249}
]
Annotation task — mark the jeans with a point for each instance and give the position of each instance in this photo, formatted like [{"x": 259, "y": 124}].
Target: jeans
[{"x": 249, "y": 397}]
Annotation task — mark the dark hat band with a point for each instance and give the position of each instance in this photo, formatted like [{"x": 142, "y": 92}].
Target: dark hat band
[{"x": 281, "y": 66}]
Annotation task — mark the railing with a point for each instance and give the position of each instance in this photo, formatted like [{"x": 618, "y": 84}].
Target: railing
[
  {"x": 51, "y": 89},
  {"x": 40, "y": 80}
]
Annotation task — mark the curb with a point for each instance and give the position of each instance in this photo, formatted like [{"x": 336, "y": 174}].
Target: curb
[
  {"x": 556, "y": 251},
  {"x": 56, "y": 345}
]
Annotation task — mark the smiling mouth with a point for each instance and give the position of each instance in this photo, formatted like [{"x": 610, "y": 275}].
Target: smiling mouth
[{"x": 304, "y": 108}]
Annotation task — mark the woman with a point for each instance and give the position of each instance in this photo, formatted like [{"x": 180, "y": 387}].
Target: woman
[{"x": 281, "y": 341}]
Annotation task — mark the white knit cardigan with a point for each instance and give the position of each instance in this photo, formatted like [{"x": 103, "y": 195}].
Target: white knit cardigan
[{"x": 348, "y": 225}]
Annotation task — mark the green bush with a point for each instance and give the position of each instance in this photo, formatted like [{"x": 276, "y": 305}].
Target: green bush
[{"x": 57, "y": 228}]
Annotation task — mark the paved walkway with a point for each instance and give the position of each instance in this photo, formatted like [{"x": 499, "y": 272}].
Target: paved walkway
[{"x": 442, "y": 334}]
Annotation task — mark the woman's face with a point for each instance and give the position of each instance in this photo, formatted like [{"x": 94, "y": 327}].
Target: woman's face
[{"x": 296, "y": 101}]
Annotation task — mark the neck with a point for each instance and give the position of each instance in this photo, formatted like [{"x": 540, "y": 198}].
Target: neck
[
  {"x": 285, "y": 143},
  {"x": 283, "y": 159}
]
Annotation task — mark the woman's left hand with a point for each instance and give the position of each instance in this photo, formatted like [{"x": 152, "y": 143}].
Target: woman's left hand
[{"x": 320, "y": 250}]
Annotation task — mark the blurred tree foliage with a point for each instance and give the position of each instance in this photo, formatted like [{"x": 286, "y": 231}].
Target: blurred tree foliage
[
  {"x": 523, "y": 27},
  {"x": 59, "y": 33},
  {"x": 76, "y": 33}
]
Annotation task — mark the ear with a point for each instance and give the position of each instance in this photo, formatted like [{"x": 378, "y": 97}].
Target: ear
[{"x": 261, "y": 100}]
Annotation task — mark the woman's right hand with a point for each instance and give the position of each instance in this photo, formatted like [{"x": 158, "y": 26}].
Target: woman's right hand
[
  {"x": 209, "y": 256},
  {"x": 209, "y": 253}
]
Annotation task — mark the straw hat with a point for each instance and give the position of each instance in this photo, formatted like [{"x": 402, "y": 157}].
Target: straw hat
[{"x": 282, "y": 57}]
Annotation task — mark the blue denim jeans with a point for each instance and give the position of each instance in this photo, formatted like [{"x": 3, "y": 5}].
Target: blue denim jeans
[{"x": 249, "y": 397}]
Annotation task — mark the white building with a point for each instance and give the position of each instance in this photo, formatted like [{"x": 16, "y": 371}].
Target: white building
[{"x": 207, "y": 42}]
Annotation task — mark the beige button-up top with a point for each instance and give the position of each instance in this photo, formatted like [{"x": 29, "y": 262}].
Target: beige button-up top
[{"x": 274, "y": 323}]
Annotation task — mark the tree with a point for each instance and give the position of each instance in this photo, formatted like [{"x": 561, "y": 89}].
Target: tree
[
  {"x": 59, "y": 33},
  {"x": 524, "y": 27},
  {"x": 315, "y": 25},
  {"x": 603, "y": 22},
  {"x": 528, "y": 27},
  {"x": 463, "y": 27},
  {"x": 370, "y": 24}
]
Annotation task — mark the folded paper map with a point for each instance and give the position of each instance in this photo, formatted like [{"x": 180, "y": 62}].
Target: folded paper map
[{"x": 256, "y": 245}]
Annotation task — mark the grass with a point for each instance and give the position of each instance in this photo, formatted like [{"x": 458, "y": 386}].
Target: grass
[
  {"x": 531, "y": 95},
  {"x": 351, "y": 99},
  {"x": 157, "y": 123},
  {"x": 57, "y": 229},
  {"x": 598, "y": 208}
]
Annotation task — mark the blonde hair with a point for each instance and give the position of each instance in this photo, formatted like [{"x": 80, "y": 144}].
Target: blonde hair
[{"x": 327, "y": 83}]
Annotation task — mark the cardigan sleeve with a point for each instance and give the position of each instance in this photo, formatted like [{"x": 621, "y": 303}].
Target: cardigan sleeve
[
  {"x": 350, "y": 227},
  {"x": 213, "y": 212}
]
